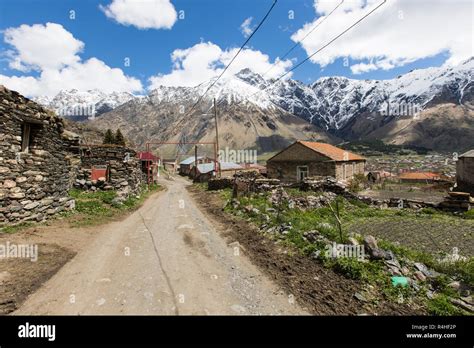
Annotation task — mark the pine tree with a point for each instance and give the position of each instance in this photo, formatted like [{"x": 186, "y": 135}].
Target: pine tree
[
  {"x": 119, "y": 138},
  {"x": 109, "y": 137}
]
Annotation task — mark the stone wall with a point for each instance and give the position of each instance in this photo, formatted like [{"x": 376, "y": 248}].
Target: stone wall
[
  {"x": 34, "y": 181},
  {"x": 124, "y": 169},
  {"x": 465, "y": 174}
]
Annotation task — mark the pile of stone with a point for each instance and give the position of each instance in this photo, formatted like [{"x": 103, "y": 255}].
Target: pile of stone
[
  {"x": 37, "y": 166},
  {"x": 215, "y": 184},
  {"x": 457, "y": 201},
  {"x": 323, "y": 184}
]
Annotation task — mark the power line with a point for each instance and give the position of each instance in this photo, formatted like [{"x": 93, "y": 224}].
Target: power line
[
  {"x": 235, "y": 56},
  {"x": 309, "y": 33},
  {"x": 317, "y": 51}
]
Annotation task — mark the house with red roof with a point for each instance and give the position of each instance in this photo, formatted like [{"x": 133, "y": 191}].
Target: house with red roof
[{"x": 308, "y": 158}]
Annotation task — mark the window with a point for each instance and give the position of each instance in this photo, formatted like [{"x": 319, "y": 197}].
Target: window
[
  {"x": 25, "y": 137},
  {"x": 301, "y": 173}
]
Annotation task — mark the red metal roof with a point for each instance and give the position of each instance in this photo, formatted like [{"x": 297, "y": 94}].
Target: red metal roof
[
  {"x": 420, "y": 176},
  {"x": 147, "y": 156}
]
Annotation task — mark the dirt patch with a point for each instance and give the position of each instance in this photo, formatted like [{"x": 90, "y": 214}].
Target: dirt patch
[
  {"x": 21, "y": 276},
  {"x": 56, "y": 244},
  {"x": 321, "y": 290}
]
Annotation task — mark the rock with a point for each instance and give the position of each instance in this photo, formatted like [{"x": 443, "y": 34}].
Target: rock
[
  {"x": 370, "y": 243},
  {"x": 21, "y": 179},
  {"x": 9, "y": 184},
  {"x": 353, "y": 241},
  {"x": 32, "y": 205},
  {"x": 420, "y": 276},
  {"x": 462, "y": 304},
  {"x": 455, "y": 285},
  {"x": 16, "y": 195},
  {"x": 360, "y": 297}
]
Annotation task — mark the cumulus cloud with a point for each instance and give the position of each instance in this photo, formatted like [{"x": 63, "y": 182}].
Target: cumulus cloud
[
  {"x": 245, "y": 27},
  {"x": 143, "y": 14},
  {"x": 205, "y": 60},
  {"x": 53, "y": 52},
  {"x": 398, "y": 33},
  {"x": 41, "y": 46}
]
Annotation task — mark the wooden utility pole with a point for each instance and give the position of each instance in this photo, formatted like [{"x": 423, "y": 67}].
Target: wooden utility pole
[
  {"x": 195, "y": 161},
  {"x": 217, "y": 138}
]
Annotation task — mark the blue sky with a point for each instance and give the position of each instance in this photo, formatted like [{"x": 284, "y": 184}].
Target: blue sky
[{"x": 218, "y": 24}]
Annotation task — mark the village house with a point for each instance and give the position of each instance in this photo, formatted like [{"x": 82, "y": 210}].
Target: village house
[
  {"x": 38, "y": 160},
  {"x": 465, "y": 172},
  {"x": 187, "y": 164},
  {"x": 205, "y": 171},
  {"x": 420, "y": 177},
  {"x": 305, "y": 158}
]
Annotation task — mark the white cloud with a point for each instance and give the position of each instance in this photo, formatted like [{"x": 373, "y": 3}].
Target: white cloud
[
  {"x": 40, "y": 46},
  {"x": 245, "y": 27},
  {"x": 52, "y": 51},
  {"x": 143, "y": 14},
  {"x": 205, "y": 60},
  {"x": 399, "y": 32}
]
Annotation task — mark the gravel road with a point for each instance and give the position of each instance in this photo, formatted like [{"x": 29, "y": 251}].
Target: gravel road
[{"x": 167, "y": 259}]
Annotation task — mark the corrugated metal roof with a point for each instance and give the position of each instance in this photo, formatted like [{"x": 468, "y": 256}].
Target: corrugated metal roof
[
  {"x": 470, "y": 153},
  {"x": 190, "y": 160},
  {"x": 209, "y": 167}
]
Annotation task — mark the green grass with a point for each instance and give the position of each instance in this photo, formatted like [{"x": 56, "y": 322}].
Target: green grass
[
  {"x": 440, "y": 305},
  {"x": 373, "y": 272},
  {"x": 94, "y": 208},
  {"x": 16, "y": 228}
]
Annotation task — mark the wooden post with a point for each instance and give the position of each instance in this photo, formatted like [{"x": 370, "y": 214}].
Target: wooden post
[
  {"x": 217, "y": 138},
  {"x": 195, "y": 161}
]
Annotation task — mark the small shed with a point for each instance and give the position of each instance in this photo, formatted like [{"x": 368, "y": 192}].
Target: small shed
[{"x": 465, "y": 172}]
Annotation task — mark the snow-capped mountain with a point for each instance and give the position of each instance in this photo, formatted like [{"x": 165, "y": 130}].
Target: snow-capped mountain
[
  {"x": 81, "y": 105},
  {"x": 344, "y": 108},
  {"x": 332, "y": 102}
]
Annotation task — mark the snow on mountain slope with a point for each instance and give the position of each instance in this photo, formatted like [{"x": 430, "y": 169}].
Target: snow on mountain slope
[
  {"x": 331, "y": 103},
  {"x": 76, "y": 104}
]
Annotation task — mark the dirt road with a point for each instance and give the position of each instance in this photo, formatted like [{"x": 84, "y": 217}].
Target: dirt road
[{"x": 165, "y": 258}]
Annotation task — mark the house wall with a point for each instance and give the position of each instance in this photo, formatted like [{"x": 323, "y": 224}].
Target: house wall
[
  {"x": 465, "y": 174},
  {"x": 284, "y": 165},
  {"x": 124, "y": 176},
  {"x": 34, "y": 185}
]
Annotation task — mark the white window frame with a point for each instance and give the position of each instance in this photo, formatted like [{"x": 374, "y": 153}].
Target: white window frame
[{"x": 298, "y": 171}]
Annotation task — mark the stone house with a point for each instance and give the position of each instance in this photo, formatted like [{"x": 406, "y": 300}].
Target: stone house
[
  {"x": 38, "y": 160},
  {"x": 305, "y": 158},
  {"x": 465, "y": 172},
  {"x": 118, "y": 166}
]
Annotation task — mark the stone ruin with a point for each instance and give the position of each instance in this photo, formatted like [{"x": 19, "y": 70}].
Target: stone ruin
[
  {"x": 38, "y": 159},
  {"x": 123, "y": 172}
]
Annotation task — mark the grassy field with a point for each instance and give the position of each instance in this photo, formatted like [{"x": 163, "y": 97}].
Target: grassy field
[{"x": 417, "y": 236}]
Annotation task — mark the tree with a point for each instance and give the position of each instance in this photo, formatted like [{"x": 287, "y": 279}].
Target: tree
[
  {"x": 109, "y": 137},
  {"x": 119, "y": 138}
]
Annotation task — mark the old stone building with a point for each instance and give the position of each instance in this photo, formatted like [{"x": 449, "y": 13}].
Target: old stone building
[
  {"x": 465, "y": 172},
  {"x": 38, "y": 160},
  {"x": 110, "y": 167},
  {"x": 308, "y": 159}
]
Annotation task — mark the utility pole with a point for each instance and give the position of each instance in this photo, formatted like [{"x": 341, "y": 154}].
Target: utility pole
[
  {"x": 217, "y": 137},
  {"x": 195, "y": 160}
]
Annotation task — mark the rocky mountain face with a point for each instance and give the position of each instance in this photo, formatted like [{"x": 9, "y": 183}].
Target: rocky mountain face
[
  {"x": 83, "y": 105},
  {"x": 427, "y": 107}
]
